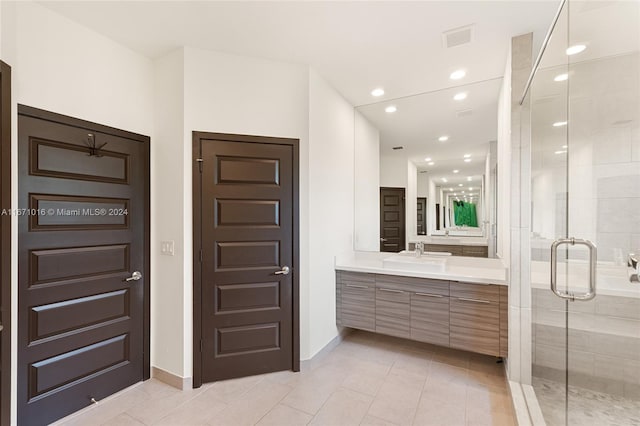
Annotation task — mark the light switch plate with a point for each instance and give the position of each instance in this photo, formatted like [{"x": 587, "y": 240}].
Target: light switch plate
[{"x": 167, "y": 248}]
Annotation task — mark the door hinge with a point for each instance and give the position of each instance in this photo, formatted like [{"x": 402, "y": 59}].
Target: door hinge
[
  {"x": 200, "y": 255},
  {"x": 200, "y": 161}
]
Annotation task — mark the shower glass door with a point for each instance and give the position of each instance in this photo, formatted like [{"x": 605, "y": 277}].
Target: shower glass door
[{"x": 585, "y": 187}]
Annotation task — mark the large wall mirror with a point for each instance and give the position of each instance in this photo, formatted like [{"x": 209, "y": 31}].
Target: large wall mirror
[{"x": 426, "y": 171}]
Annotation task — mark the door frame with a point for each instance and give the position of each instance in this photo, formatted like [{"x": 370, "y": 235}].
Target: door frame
[
  {"x": 146, "y": 141},
  {"x": 5, "y": 238},
  {"x": 197, "y": 242}
]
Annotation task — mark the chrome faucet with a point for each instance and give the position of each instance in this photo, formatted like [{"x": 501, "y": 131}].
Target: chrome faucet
[{"x": 419, "y": 248}]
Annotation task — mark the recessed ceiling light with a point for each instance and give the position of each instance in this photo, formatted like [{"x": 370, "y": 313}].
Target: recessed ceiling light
[
  {"x": 391, "y": 108},
  {"x": 561, "y": 77},
  {"x": 559, "y": 123},
  {"x": 575, "y": 49},
  {"x": 467, "y": 155},
  {"x": 427, "y": 159},
  {"x": 467, "y": 160},
  {"x": 459, "y": 184},
  {"x": 455, "y": 194},
  {"x": 463, "y": 191},
  {"x": 458, "y": 74},
  {"x": 460, "y": 96},
  {"x": 456, "y": 171},
  {"x": 468, "y": 178},
  {"x": 470, "y": 189},
  {"x": 450, "y": 189},
  {"x": 443, "y": 138},
  {"x": 444, "y": 180},
  {"x": 565, "y": 146},
  {"x": 561, "y": 152},
  {"x": 431, "y": 163},
  {"x": 377, "y": 92}
]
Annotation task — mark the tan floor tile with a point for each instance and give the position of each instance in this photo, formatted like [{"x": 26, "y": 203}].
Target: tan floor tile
[
  {"x": 123, "y": 420},
  {"x": 343, "y": 408},
  {"x": 451, "y": 357},
  {"x": 487, "y": 381},
  {"x": 447, "y": 392},
  {"x": 309, "y": 396},
  {"x": 436, "y": 413},
  {"x": 397, "y": 399},
  {"x": 363, "y": 383},
  {"x": 482, "y": 418},
  {"x": 229, "y": 390},
  {"x": 250, "y": 407},
  {"x": 156, "y": 408},
  {"x": 370, "y": 420},
  {"x": 447, "y": 373},
  {"x": 281, "y": 415},
  {"x": 112, "y": 407},
  {"x": 197, "y": 411},
  {"x": 486, "y": 400},
  {"x": 486, "y": 364},
  {"x": 412, "y": 364}
]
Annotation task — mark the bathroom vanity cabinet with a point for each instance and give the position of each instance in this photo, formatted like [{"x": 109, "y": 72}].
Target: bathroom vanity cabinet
[{"x": 454, "y": 314}]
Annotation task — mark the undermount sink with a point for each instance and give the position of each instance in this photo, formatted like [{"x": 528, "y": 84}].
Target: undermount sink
[{"x": 413, "y": 263}]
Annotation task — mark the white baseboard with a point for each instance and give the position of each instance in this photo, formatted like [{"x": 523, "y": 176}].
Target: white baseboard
[
  {"x": 171, "y": 379},
  {"x": 309, "y": 364}
]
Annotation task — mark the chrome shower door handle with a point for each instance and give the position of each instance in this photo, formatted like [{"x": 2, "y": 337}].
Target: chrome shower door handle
[{"x": 593, "y": 259}]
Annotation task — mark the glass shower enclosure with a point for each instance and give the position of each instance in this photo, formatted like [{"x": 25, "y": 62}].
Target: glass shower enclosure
[{"x": 583, "y": 107}]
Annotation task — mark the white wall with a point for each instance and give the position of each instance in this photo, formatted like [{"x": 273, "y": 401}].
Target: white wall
[
  {"x": 423, "y": 185},
  {"x": 504, "y": 165},
  {"x": 411, "y": 203},
  {"x": 431, "y": 205},
  {"x": 167, "y": 216},
  {"x": 367, "y": 184},
  {"x": 331, "y": 206},
  {"x": 64, "y": 67},
  {"x": 393, "y": 171}
]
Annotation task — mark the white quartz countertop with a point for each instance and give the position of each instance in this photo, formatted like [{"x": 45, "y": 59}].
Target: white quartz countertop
[
  {"x": 463, "y": 269},
  {"x": 451, "y": 240}
]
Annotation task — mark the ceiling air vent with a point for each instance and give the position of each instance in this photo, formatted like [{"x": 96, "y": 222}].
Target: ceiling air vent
[
  {"x": 457, "y": 36},
  {"x": 395, "y": 148},
  {"x": 464, "y": 113}
]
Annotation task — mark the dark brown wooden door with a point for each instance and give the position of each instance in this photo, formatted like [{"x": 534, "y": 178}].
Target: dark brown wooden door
[
  {"x": 5, "y": 244},
  {"x": 421, "y": 216},
  {"x": 81, "y": 322},
  {"x": 392, "y": 218},
  {"x": 247, "y": 242}
]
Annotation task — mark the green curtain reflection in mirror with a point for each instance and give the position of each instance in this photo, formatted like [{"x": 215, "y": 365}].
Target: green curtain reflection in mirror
[{"x": 464, "y": 214}]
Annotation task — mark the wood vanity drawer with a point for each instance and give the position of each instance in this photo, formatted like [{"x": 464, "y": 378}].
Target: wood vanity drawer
[
  {"x": 392, "y": 317},
  {"x": 357, "y": 276},
  {"x": 489, "y": 292},
  {"x": 430, "y": 318},
  {"x": 474, "y": 340},
  {"x": 476, "y": 314},
  {"x": 358, "y": 305},
  {"x": 455, "y": 250},
  {"x": 412, "y": 284},
  {"x": 475, "y": 251}
]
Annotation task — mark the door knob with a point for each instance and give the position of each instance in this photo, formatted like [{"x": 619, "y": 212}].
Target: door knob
[
  {"x": 134, "y": 277},
  {"x": 284, "y": 271}
]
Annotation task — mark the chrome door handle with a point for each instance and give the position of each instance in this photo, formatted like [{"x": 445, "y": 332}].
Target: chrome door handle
[
  {"x": 134, "y": 277},
  {"x": 593, "y": 259},
  {"x": 284, "y": 271},
  {"x": 383, "y": 239},
  {"x": 633, "y": 268}
]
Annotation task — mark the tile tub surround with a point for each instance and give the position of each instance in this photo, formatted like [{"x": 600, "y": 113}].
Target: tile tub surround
[
  {"x": 463, "y": 269},
  {"x": 366, "y": 380},
  {"x": 604, "y": 342}
]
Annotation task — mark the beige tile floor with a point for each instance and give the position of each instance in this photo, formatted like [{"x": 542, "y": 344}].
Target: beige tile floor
[{"x": 366, "y": 380}]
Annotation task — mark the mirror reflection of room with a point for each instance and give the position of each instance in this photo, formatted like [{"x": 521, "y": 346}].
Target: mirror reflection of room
[{"x": 434, "y": 182}]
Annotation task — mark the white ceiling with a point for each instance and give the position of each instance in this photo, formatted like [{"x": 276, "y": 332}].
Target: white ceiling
[
  {"x": 420, "y": 120},
  {"x": 356, "y": 46}
]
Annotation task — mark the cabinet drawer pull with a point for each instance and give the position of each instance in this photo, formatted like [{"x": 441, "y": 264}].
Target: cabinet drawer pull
[
  {"x": 463, "y": 299},
  {"x": 357, "y": 286},
  {"x": 429, "y": 295},
  {"x": 391, "y": 291}
]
